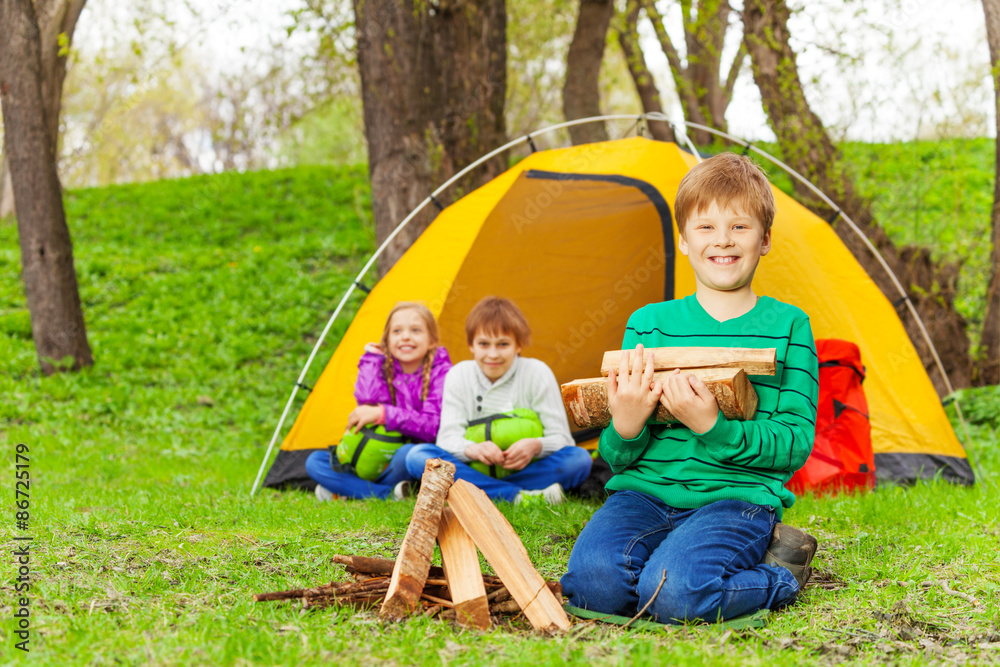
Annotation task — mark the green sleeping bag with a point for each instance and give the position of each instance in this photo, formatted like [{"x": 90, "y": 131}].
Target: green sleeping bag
[
  {"x": 368, "y": 452},
  {"x": 503, "y": 429}
]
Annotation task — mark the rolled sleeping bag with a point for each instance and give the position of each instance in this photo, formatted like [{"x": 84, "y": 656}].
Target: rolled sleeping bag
[
  {"x": 503, "y": 429},
  {"x": 367, "y": 453}
]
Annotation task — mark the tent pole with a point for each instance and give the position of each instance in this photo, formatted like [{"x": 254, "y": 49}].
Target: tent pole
[{"x": 295, "y": 389}]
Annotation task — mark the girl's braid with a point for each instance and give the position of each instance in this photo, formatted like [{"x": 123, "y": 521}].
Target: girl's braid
[
  {"x": 428, "y": 363},
  {"x": 389, "y": 370}
]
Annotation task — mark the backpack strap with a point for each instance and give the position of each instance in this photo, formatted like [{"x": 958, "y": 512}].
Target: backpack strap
[
  {"x": 836, "y": 363},
  {"x": 489, "y": 419},
  {"x": 366, "y": 435}
]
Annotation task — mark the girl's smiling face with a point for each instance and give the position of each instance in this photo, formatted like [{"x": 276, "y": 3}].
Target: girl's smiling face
[
  {"x": 724, "y": 248},
  {"x": 409, "y": 339}
]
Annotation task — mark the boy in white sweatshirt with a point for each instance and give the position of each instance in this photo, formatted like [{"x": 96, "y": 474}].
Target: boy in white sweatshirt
[{"x": 498, "y": 380}]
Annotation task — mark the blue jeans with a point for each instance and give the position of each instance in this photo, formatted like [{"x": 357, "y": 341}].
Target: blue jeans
[
  {"x": 568, "y": 466},
  {"x": 352, "y": 486},
  {"x": 711, "y": 557}
]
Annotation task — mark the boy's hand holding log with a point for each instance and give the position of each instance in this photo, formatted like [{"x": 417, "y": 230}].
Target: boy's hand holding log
[
  {"x": 632, "y": 393},
  {"x": 667, "y": 385}
]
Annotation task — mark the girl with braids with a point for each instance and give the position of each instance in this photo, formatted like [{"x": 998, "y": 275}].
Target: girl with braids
[{"x": 399, "y": 386}]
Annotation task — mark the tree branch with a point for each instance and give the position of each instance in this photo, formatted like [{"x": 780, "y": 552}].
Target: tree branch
[
  {"x": 73, "y": 11},
  {"x": 679, "y": 72},
  {"x": 734, "y": 72},
  {"x": 663, "y": 37},
  {"x": 626, "y": 25}
]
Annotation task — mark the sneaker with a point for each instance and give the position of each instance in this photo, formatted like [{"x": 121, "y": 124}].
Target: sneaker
[
  {"x": 551, "y": 494},
  {"x": 402, "y": 490},
  {"x": 793, "y": 550},
  {"x": 323, "y": 493}
]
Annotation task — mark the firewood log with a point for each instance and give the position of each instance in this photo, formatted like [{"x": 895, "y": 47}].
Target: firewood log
[
  {"x": 753, "y": 361},
  {"x": 414, "y": 561},
  {"x": 587, "y": 400}
]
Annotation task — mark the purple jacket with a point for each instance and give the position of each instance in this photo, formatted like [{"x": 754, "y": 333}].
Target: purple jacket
[{"x": 410, "y": 416}]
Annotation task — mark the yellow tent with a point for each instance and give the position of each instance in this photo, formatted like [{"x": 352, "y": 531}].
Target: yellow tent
[{"x": 581, "y": 237}]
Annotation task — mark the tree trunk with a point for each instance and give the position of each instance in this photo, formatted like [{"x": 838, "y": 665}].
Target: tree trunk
[
  {"x": 57, "y": 21},
  {"x": 582, "y": 93},
  {"x": 433, "y": 82},
  {"x": 807, "y": 148},
  {"x": 46, "y": 251},
  {"x": 704, "y": 96},
  {"x": 628, "y": 39},
  {"x": 989, "y": 345}
]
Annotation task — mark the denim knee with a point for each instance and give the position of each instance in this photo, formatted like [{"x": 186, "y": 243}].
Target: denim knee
[
  {"x": 317, "y": 463},
  {"x": 597, "y": 579},
  {"x": 577, "y": 466},
  {"x": 682, "y": 597}
]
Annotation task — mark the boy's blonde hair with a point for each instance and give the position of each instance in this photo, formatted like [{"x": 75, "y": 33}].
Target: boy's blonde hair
[
  {"x": 734, "y": 182},
  {"x": 495, "y": 316},
  {"x": 388, "y": 365}
]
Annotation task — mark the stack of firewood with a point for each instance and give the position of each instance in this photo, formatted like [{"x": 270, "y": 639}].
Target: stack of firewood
[
  {"x": 459, "y": 590},
  {"x": 724, "y": 371},
  {"x": 370, "y": 584}
]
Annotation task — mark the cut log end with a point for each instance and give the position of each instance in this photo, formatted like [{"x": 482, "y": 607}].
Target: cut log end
[
  {"x": 406, "y": 598},
  {"x": 473, "y": 614}
]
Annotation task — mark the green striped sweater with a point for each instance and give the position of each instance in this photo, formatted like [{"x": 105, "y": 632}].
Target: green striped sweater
[{"x": 749, "y": 460}]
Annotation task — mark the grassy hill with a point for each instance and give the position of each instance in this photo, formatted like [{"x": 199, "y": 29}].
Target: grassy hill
[{"x": 203, "y": 298}]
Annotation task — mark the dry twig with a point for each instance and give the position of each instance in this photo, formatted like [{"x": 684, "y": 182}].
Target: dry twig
[
  {"x": 959, "y": 594},
  {"x": 648, "y": 602}
]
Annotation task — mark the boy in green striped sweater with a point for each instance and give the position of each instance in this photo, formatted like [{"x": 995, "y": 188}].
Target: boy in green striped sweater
[{"x": 692, "y": 527}]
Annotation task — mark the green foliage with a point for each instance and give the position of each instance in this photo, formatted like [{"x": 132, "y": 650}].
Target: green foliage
[
  {"x": 980, "y": 406},
  {"x": 331, "y": 134},
  {"x": 203, "y": 298},
  {"x": 935, "y": 194}
]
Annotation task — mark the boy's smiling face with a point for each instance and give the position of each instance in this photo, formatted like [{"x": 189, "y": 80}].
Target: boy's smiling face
[
  {"x": 494, "y": 353},
  {"x": 724, "y": 248}
]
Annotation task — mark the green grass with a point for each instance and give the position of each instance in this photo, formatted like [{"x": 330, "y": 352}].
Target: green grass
[{"x": 203, "y": 297}]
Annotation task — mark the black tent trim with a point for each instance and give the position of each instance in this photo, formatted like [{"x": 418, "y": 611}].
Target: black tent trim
[
  {"x": 911, "y": 468},
  {"x": 289, "y": 470},
  {"x": 654, "y": 196}
]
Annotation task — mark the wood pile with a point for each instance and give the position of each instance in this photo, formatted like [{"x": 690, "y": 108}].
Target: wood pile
[
  {"x": 724, "y": 371},
  {"x": 458, "y": 590}
]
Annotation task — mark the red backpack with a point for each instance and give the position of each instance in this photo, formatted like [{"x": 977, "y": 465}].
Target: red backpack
[{"x": 842, "y": 457}]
